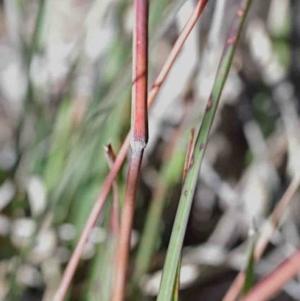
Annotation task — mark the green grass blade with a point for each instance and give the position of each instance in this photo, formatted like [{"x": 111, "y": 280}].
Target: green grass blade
[
  {"x": 176, "y": 241},
  {"x": 101, "y": 275},
  {"x": 156, "y": 10},
  {"x": 249, "y": 281},
  {"x": 38, "y": 30}
]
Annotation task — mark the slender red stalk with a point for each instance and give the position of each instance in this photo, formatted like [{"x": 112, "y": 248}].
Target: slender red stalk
[
  {"x": 122, "y": 256},
  {"x": 139, "y": 114},
  {"x": 114, "y": 219},
  {"x": 273, "y": 283},
  {"x": 139, "y": 140},
  {"x": 95, "y": 212}
]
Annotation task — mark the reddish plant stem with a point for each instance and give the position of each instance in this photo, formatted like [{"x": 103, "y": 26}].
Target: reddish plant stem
[
  {"x": 118, "y": 292},
  {"x": 96, "y": 210},
  {"x": 139, "y": 139},
  {"x": 139, "y": 114},
  {"x": 273, "y": 283}
]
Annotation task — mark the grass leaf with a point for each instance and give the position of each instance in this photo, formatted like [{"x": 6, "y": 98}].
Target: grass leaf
[{"x": 176, "y": 241}]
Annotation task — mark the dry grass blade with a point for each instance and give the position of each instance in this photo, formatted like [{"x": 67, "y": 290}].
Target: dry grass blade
[
  {"x": 176, "y": 289},
  {"x": 111, "y": 157}
]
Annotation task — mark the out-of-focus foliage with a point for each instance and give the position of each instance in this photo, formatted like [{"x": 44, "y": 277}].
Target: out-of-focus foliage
[{"x": 65, "y": 70}]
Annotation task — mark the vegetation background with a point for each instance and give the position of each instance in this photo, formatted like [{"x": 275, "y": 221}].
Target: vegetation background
[{"x": 65, "y": 91}]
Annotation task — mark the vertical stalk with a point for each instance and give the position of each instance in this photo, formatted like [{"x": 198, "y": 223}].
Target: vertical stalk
[{"x": 139, "y": 139}]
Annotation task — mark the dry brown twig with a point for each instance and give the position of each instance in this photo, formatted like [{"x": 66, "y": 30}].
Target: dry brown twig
[{"x": 115, "y": 225}]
